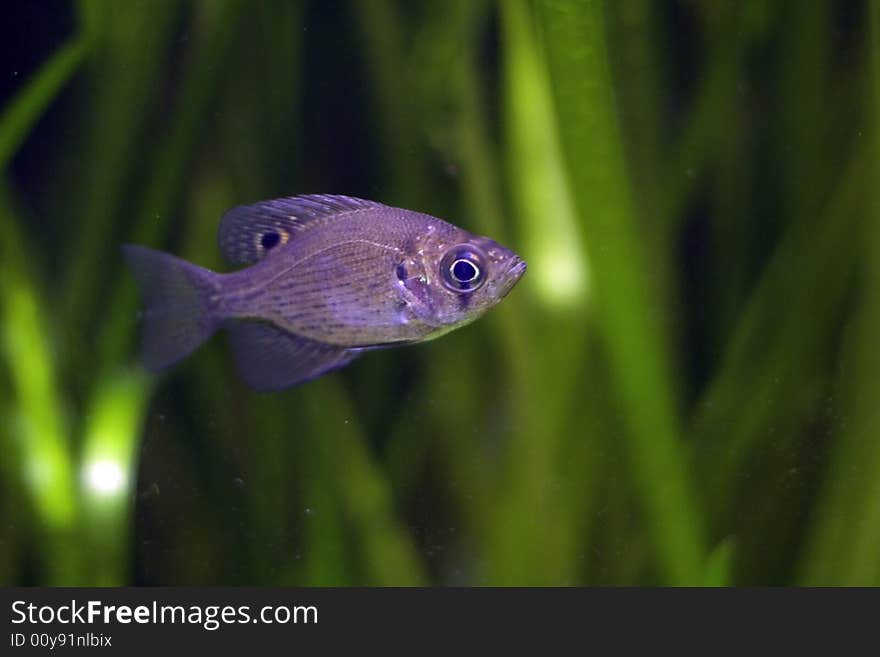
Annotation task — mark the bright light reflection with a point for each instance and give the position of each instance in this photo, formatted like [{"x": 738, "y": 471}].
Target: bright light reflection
[
  {"x": 105, "y": 477},
  {"x": 561, "y": 275}
]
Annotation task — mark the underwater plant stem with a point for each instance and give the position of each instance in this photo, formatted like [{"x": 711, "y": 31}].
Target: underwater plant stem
[
  {"x": 559, "y": 276},
  {"x": 38, "y": 429},
  {"x": 108, "y": 473},
  {"x": 129, "y": 46},
  {"x": 844, "y": 539},
  {"x": 578, "y": 61},
  {"x": 384, "y": 48},
  {"x": 22, "y": 113},
  {"x": 771, "y": 345},
  {"x": 536, "y": 517},
  {"x": 363, "y": 492}
]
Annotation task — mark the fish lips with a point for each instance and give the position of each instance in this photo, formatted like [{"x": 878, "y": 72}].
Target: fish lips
[{"x": 515, "y": 270}]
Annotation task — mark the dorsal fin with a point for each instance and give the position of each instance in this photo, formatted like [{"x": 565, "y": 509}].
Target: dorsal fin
[{"x": 248, "y": 232}]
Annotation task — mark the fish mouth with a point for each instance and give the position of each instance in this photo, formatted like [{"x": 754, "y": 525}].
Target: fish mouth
[
  {"x": 517, "y": 268},
  {"x": 512, "y": 275}
]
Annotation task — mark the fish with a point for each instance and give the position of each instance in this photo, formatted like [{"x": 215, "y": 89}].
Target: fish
[{"x": 323, "y": 279}]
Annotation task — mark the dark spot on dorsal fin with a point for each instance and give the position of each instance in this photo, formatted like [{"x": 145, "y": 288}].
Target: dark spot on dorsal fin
[
  {"x": 243, "y": 228},
  {"x": 270, "y": 240}
]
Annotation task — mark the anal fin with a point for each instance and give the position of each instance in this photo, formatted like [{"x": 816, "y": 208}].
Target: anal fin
[{"x": 270, "y": 358}]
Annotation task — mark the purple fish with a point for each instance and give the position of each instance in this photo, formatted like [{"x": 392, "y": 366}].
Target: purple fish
[{"x": 326, "y": 278}]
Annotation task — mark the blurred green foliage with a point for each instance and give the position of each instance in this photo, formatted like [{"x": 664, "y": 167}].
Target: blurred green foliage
[{"x": 684, "y": 389}]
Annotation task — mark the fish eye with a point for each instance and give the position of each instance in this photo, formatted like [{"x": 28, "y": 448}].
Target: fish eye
[{"x": 462, "y": 269}]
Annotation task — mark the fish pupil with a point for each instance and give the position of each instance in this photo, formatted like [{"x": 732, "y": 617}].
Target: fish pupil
[
  {"x": 270, "y": 240},
  {"x": 464, "y": 271}
]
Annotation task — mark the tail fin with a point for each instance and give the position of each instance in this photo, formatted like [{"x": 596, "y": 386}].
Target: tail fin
[{"x": 176, "y": 296}]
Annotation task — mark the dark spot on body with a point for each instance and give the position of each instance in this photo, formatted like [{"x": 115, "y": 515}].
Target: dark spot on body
[
  {"x": 401, "y": 272},
  {"x": 270, "y": 240}
]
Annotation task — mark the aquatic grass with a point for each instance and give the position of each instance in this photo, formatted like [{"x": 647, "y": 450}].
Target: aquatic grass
[
  {"x": 36, "y": 432},
  {"x": 805, "y": 76},
  {"x": 844, "y": 536},
  {"x": 575, "y": 42},
  {"x": 263, "y": 89},
  {"x": 130, "y": 46},
  {"x": 37, "y": 423},
  {"x": 771, "y": 347},
  {"x": 327, "y": 558},
  {"x": 719, "y": 570},
  {"x": 388, "y": 556},
  {"x": 558, "y": 289},
  {"x": 702, "y": 132},
  {"x": 22, "y": 113},
  {"x": 384, "y": 45},
  {"x": 172, "y": 156},
  {"x": 107, "y": 469},
  {"x": 35, "y": 386},
  {"x": 641, "y": 71},
  {"x": 547, "y": 222}
]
